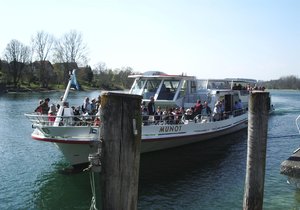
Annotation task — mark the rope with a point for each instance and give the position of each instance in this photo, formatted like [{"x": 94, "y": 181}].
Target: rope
[
  {"x": 95, "y": 166},
  {"x": 93, "y": 201}
]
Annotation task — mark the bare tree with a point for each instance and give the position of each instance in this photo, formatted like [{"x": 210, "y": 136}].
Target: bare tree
[
  {"x": 101, "y": 66},
  {"x": 42, "y": 44},
  {"x": 70, "y": 49},
  {"x": 29, "y": 73},
  {"x": 17, "y": 55}
]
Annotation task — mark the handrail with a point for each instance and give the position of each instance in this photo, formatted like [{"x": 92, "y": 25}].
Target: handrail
[
  {"x": 74, "y": 120},
  {"x": 92, "y": 120},
  {"x": 183, "y": 118}
]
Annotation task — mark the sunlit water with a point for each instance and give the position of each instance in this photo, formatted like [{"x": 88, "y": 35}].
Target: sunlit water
[{"x": 200, "y": 176}]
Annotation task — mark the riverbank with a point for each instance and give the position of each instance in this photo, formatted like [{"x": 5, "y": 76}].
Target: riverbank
[{"x": 41, "y": 90}]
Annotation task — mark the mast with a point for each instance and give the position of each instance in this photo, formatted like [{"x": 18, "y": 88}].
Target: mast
[{"x": 64, "y": 99}]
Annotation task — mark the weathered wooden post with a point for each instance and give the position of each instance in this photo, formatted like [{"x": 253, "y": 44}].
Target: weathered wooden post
[
  {"x": 121, "y": 135},
  {"x": 256, "y": 152}
]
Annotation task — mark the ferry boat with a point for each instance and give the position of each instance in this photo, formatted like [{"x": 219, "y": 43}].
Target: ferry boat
[{"x": 76, "y": 139}]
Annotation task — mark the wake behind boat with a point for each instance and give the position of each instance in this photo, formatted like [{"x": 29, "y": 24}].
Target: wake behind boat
[{"x": 173, "y": 127}]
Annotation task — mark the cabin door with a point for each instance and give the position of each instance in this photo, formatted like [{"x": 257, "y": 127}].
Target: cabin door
[{"x": 228, "y": 103}]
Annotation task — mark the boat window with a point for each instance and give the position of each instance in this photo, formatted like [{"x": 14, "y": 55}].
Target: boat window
[
  {"x": 218, "y": 84},
  {"x": 151, "y": 88},
  {"x": 201, "y": 84},
  {"x": 183, "y": 89},
  {"x": 193, "y": 86},
  {"x": 137, "y": 87},
  {"x": 168, "y": 89}
]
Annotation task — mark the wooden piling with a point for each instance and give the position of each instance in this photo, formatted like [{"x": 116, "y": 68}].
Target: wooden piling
[
  {"x": 121, "y": 136},
  {"x": 256, "y": 151}
]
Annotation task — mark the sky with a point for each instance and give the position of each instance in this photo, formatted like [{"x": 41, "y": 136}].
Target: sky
[{"x": 257, "y": 39}]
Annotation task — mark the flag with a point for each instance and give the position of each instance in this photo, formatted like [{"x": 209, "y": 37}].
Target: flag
[{"x": 74, "y": 82}]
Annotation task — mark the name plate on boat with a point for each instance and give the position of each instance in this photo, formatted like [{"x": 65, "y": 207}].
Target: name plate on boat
[{"x": 170, "y": 128}]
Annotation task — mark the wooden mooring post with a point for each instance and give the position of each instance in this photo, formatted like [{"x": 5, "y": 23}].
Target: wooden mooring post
[
  {"x": 256, "y": 151},
  {"x": 121, "y": 140}
]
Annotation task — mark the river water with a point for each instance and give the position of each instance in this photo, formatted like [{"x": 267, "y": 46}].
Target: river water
[{"x": 207, "y": 175}]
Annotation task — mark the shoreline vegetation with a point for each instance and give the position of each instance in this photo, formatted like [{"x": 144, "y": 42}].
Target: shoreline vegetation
[
  {"x": 25, "y": 89},
  {"x": 291, "y": 83}
]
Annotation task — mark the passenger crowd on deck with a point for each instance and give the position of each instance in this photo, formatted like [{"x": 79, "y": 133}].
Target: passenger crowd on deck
[
  {"x": 248, "y": 87},
  {"x": 174, "y": 115},
  {"x": 90, "y": 111}
]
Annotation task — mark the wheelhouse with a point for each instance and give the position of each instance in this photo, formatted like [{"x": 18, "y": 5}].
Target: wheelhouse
[{"x": 166, "y": 89}]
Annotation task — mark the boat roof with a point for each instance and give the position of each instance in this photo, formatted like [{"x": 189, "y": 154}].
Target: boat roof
[
  {"x": 159, "y": 74},
  {"x": 242, "y": 80}
]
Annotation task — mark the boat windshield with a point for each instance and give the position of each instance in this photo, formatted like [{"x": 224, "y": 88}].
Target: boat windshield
[
  {"x": 145, "y": 87},
  {"x": 138, "y": 86},
  {"x": 150, "y": 88},
  {"x": 163, "y": 89},
  {"x": 168, "y": 89}
]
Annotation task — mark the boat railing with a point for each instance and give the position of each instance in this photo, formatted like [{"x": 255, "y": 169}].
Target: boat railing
[
  {"x": 74, "y": 120},
  {"x": 162, "y": 119},
  {"x": 185, "y": 118},
  {"x": 93, "y": 120}
]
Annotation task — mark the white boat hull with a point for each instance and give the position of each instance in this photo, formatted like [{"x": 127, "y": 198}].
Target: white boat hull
[
  {"x": 159, "y": 143},
  {"x": 76, "y": 154},
  {"x": 154, "y": 137}
]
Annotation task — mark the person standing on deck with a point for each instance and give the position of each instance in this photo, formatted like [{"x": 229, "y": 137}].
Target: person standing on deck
[
  {"x": 39, "y": 108},
  {"x": 206, "y": 111},
  {"x": 151, "y": 106},
  {"x": 198, "y": 107},
  {"x": 45, "y": 106},
  {"x": 86, "y": 106}
]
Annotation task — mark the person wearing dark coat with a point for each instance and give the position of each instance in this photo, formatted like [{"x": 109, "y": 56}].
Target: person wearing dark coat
[{"x": 151, "y": 106}]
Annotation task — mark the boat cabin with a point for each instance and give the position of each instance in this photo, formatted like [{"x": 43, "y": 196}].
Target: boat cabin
[
  {"x": 184, "y": 91},
  {"x": 167, "y": 90}
]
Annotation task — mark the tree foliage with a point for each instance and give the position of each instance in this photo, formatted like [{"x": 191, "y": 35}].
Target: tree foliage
[
  {"x": 286, "y": 82},
  {"x": 105, "y": 78}
]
